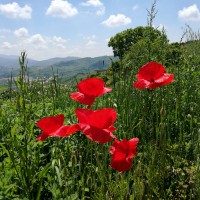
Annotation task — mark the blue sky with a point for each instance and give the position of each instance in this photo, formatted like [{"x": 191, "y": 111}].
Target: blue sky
[{"x": 61, "y": 28}]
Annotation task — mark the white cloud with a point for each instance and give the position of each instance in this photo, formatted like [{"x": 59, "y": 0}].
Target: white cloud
[
  {"x": 58, "y": 39},
  {"x": 61, "y": 8},
  {"x": 97, "y": 4},
  {"x": 117, "y": 20},
  {"x": 13, "y": 10},
  {"x": 36, "y": 39},
  {"x": 59, "y": 45},
  {"x": 21, "y": 32},
  {"x": 190, "y": 13},
  {"x": 8, "y": 45},
  {"x": 37, "y": 45},
  {"x": 90, "y": 44},
  {"x": 90, "y": 41}
]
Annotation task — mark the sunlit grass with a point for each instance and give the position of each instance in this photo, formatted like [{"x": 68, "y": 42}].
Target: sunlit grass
[{"x": 166, "y": 120}]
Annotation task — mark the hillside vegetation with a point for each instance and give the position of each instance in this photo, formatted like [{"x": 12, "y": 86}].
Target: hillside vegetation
[{"x": 65, "y": 69}]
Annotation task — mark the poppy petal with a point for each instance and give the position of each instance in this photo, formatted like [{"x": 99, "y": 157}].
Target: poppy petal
[
  {"x": 151, "y": 70},
  {"x": 73, "y": 128},
  {"x": 142, "y": 84},
  {"x": 95, "y": 134},
  {"x": 111, "y": 135},
  {"x": 112, "y": 128},
  {"x": 63, "y": 131},
  {"x": 66, "y": 130},
  {"x": 102, "y": 118},
  {"x": 51, "y": 124},
  {"x": 121, "y": 166},
  {"x": 106, "y": 90},
  {"x": 114, "y": 146},
  {"x": 122, "y": 154},
  {"x": 91, "y": 86},
  {"x": 82, "y": 98},
  {"x": 42, "y": 137},
  {"x": 164, "y": 80},
  {"x": 82, "y": 114},
  {"x": 120, "y": 147},
  {"x": 132, "y": 145},
  {"x": 118, "y": 156},
  {"x": 123, "y": 146}
]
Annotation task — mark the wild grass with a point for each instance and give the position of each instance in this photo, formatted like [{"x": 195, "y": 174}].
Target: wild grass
[{"x": 166, "y": 120}]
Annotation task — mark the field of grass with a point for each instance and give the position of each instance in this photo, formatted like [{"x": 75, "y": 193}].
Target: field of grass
[{"x": 165, "y": 119}]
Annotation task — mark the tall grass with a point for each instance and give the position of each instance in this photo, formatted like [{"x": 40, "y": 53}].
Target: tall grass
[{"x": 166, "y": 120}]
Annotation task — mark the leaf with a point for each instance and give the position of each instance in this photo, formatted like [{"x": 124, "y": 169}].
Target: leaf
[
  {"x": 74, "y": 196},
  {"x": 58, "y": 175},
  {"x": 5, "y": 150},
  {"x": 44, "y": 171}
]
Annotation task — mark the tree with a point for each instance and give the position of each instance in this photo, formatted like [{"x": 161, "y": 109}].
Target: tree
[
  {"x": 145, "y": 50},
  {"x": 122, "y": 42}
]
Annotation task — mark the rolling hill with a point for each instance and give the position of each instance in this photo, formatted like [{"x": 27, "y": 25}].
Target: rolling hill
[
  {"x": 12, "y": 61},
  {"x": 64, "y": 67}
]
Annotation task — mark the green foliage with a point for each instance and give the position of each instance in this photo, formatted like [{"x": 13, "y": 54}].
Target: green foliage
[
  {"x": 166, "y": 120},
  {"x": 123, "y": 41},
  {"x": 74, "y": 167},
  {"x": 139, "y": 54}
]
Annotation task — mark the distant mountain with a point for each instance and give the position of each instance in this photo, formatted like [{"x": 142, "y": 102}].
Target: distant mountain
[
  {"x": 8, "y": 61},
  {"x": 64, "y": 67},
  {"x": 72, "y": 67},
  {"x": 8, "y": 56},
  {"x": 51, "y": 61},
  {"x": 12, "y": 61},
  {"x": 96, "y": 63}
]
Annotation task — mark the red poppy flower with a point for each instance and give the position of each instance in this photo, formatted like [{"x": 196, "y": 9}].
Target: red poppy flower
[
  {"x": 152, "y": 75},
  {"x": 89, "y": 89},
  {"x": 123, "y": 153},
  {"x": 97, "y": 124},
  {"x": 53, "y": 126}
]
